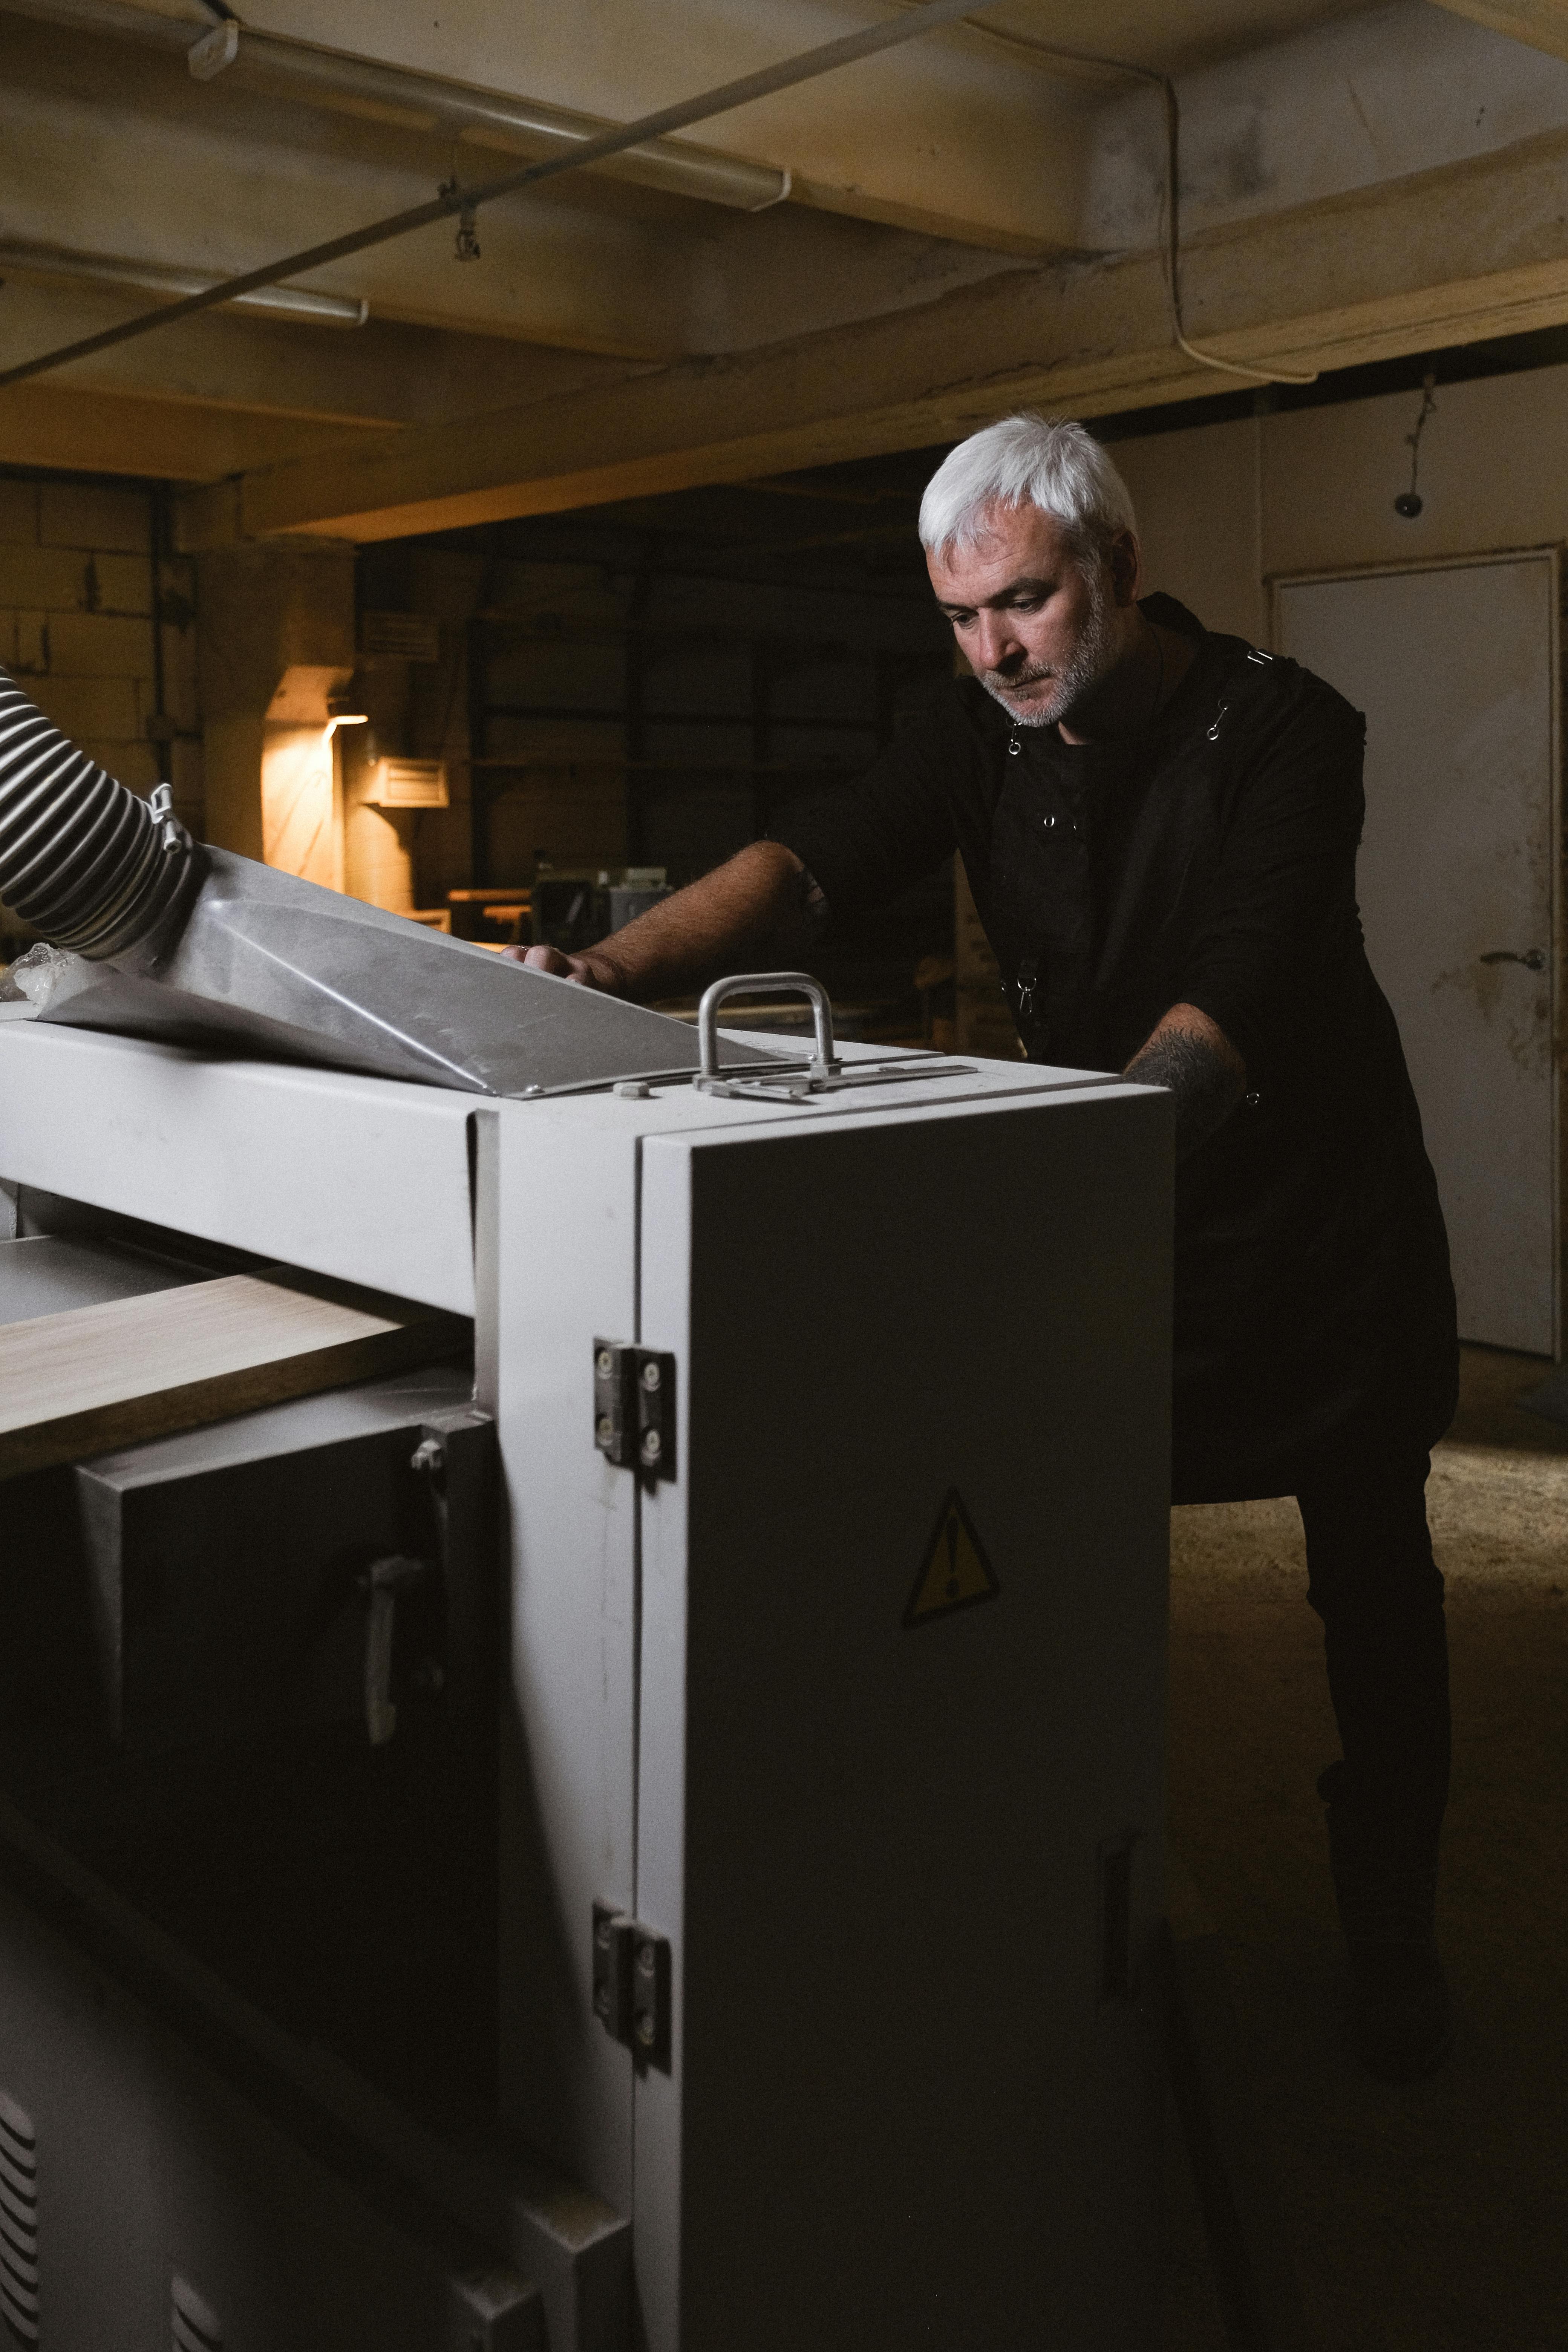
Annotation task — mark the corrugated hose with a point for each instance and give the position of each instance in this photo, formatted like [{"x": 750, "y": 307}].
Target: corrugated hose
[{"x": 89, "y": 865}]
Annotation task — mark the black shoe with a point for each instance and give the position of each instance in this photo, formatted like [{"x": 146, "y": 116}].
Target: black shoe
[{"x": 1400, "y": 2019}]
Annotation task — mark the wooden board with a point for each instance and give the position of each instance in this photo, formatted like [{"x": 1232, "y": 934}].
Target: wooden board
[
  {"x": 54, "y": 1274},
  {"x": 93, "y": 1379}
]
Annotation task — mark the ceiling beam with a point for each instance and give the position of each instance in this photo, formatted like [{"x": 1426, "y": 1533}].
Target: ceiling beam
[
  {"x": 1538, "y": 23},
  {"x": 615, "y": 273},
  {"x": 1476, "y": 248},
  {"x": 976, "y": 145},
  {"x": 157, "y": 437},
  {"x": 238, "y": 390}
]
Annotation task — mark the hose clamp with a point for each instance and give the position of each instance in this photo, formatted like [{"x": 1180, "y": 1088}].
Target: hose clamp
[{"x": 172, "y": 833}]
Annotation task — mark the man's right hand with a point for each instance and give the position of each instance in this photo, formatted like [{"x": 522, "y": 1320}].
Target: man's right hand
[{"x": 565, "y": 967}]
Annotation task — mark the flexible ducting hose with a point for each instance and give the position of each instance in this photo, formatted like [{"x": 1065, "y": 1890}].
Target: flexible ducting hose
[{"x": 83, "y": 861}]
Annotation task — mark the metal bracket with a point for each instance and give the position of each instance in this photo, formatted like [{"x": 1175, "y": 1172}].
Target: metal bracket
[
  {"x": 798, "y": 1085},
  {"x": 634, "y": 1407},
  {"x": 632, "y": 1984}
]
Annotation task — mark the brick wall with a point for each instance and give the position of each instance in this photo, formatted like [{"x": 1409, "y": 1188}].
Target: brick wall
[{"x": 77, "y": 591}]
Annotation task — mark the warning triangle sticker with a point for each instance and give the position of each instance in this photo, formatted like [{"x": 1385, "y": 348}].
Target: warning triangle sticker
[{"x": 955, "y": 1572}]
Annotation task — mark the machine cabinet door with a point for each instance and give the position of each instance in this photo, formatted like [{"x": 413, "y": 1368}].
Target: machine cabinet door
[{"x": 900, "y": 1725}]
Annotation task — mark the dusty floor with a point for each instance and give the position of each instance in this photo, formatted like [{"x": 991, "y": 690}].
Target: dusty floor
[{"x": 1431, "y": 2218}]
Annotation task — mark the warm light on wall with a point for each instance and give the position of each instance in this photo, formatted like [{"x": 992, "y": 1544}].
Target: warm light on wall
[{"x": 301, "y": 795}]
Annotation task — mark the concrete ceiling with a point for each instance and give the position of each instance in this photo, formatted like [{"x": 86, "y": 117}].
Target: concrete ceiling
[{"x": 949, "y": 227}]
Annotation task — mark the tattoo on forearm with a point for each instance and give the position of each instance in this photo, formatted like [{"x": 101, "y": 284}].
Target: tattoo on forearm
[
  {"x": 1205, "y": 1084},
  {"x": 813, "y": 904}
]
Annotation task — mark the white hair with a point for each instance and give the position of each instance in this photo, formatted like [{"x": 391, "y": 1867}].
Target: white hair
[{"x": 1027, "y": 460}]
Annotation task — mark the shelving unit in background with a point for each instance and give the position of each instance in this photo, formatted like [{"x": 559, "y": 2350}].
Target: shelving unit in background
[
  {"x": 650, "y": 683},
  {"x": 706, "y": 730}
]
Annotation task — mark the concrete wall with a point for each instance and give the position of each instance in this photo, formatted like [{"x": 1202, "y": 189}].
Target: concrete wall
[
  {"x": 77, "y": 629},
  {"x": 79, "y": 581},
  {"x": 1196, "y": 497},
  {"x": 1224, "y": 508}
]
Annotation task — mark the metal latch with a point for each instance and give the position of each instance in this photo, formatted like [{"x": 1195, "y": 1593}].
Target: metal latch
[
  {"x": 823, "y": 1076},
  {"x": 825, "y": 1065},
  {"x": 380, "y": 1583},
  {"x": 631, "y": 1984},
  {"x": 634, "y": 1407}
]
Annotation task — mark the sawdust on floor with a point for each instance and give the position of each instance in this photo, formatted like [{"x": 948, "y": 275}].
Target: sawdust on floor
[{"x": 1428, "y": 2218}]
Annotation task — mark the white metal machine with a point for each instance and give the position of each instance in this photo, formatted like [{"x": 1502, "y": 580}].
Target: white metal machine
[
  {"x": 895, "y": 1854},
  {"x": 764, "y": 1956}
]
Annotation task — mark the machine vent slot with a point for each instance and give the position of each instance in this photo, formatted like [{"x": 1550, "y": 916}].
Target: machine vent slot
[
  {"x": 193, "y": 2326},
  {"x": 18, "y": 2223}
]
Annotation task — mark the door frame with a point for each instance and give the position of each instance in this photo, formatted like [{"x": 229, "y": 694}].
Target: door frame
[{"x": 1552, "y": 553}]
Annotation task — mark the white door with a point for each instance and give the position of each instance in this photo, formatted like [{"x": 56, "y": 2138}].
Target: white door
[{"x": 1454, "y": 667}]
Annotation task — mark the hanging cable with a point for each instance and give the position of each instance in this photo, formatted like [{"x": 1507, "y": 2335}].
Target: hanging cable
[
  {"x": 1268, "y": 374},
  {"x": 1409, "y": 503},
  {"x": 1171, "y": 209}
]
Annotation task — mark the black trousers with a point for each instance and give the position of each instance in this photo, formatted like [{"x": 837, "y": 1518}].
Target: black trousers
[{"x": 1373, "y": 1583}]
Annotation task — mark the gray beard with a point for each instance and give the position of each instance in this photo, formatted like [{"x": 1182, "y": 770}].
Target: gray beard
[{"x": 1095, "y": 656}]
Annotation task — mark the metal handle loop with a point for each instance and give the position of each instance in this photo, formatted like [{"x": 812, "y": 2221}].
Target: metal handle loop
[{"x": 748, "y": 983}]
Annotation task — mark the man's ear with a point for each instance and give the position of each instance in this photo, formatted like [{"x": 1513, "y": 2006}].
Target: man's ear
[{"x": 1125, "y": 557}]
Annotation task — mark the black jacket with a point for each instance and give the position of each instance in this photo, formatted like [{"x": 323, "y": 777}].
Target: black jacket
[{"x": 1209, "y": 861}]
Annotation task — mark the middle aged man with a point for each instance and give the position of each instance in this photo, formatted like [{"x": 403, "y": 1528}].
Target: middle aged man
[{"x": 1160, "y": 828}]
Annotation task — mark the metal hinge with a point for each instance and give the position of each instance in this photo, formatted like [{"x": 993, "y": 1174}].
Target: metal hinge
[
  {"x": 631, "y": 1984},
  {"x": 634, "y": 1407}
]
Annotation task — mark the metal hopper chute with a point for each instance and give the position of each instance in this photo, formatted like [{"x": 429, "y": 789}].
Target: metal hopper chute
[{"x": 159, "y": 937}]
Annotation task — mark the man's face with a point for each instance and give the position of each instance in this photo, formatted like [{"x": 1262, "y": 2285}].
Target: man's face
[{"x": 1038, "y": 634}]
